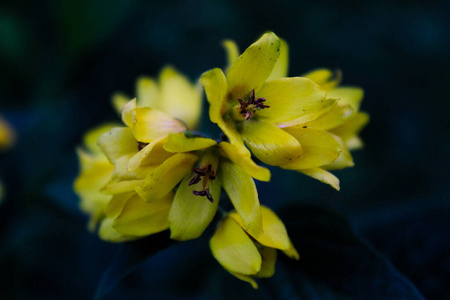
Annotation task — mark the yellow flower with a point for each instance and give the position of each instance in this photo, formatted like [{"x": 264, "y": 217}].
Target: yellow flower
[
  {"x": 7, "y": 135},
  {"x": 349, "y": 96},
  {"x": 245, "y": 255},
  {"x": 327, "y": 134},
  {"x": 7, "y": 139},
  {"x": 251, "y": 109},
  {"x": 203, "y": 169},
  {"x": 170, "y": 105},
  {"x": 95, "y": 172},
  {"x": 172, "y": 94},
  {"x": 136, "y": 151},
  {"x": 119, "y": 165}
]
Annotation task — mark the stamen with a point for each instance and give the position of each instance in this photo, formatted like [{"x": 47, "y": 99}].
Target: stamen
[
  {"x": 204, "y": 193},
  {"x": 248, "y": 108},
  {"x": 207, "y": 175}
]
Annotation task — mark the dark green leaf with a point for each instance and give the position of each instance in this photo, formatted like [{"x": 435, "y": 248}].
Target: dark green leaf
[{"x": 335, "y": 263}]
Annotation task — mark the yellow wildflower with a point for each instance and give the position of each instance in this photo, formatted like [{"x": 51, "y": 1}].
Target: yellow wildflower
[
  {"x": 7, "y": 135},
  {"x": 95, "y": 172},
  {"x": 245, "y": 255},
  {"x": 249, "y": 109},
  {"x": 349, "y": 96},
  {"x": 203, "y": 169},
  {"x": 119, "y": 165},
  {"x": 327, "y": 134},
  {"x": 172, "y": 94}
]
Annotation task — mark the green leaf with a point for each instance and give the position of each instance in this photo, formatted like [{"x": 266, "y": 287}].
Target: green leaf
[{"x": 335, "y": 263}]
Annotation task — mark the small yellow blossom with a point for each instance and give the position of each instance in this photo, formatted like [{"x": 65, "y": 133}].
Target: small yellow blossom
[
  {"x": 172, "y": 94},
  {"x": 204, "y": 167},
  {"x": 95, "y": 172},
  {"x": 251, "y": 109},
  {"x": 7, "y": 135},
  {"x": 326, "y": 135},
  {"x": 112, "y": 170},
  {"x": 350, "y": 97},
  {"x": 247, "y": 256}
]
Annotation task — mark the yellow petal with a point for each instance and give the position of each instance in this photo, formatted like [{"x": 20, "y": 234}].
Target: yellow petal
[
  {"x": 325, "y": 78},
  {"x": 269, "y": 258},
  {"x": 234, "y": 249},
  {"x": 232, "y": 52},
  {"x": 290, "y": 98},
  {"x": 140, "y": 218},
  {"x": 215, "y": 85},
  {"x": 244, "y": 161},
  {"x": 337, "y": 116},
  {"x": 269, "y": 143},
  {"x": 274, "y": 233},
  {"x": 152, "y": 154},
  {"x": 118, "y": 142},
  {"x": 245, "y": 278},
  {"x": 117, "y": 186},
  {"x": 242, "y": 192},
  {"x": 151, "y": 124},
  {"x": 118, "y": 101},
  {"x": 179, "y": 98},
  {"x": 348, "y": 96},
  {"x": 349, "y": 130},
  {"x": 95, "y": 172},
  {"x": 229, "y": 129},
  {"x": 292, "y": 252},
  {"x": 191, "y": 214},
  {"x": 319, "y": 148},
  {"x": 127, "y": 112},
  {"x": 281, "y": 67},
  {"x": 91, "y": 137},
  {"x": 165, "y": 177},
  {"x": 147, "y": 93},
  {"x": 322, "y": 109},
  {"x": 179, "y": 142},
  {"x": 114, "y": 207},
  {"x": 122, "y": 173},
  {"x": 108, "y": 233},
  {"x": 344, "y": 160},
  {"x": 323, "y": 176},
  {"x": 254, "y": 66}
]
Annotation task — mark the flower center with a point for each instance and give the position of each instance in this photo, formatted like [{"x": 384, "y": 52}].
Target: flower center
[
  {"x": 206, "y": 174},
  {"x": 248, "y": 108}
]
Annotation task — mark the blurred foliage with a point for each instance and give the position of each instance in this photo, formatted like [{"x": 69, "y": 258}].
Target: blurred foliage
[{"x": 61, "y": 61}]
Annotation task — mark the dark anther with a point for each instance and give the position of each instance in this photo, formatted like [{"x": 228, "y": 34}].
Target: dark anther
[
  {"x": 204, "y": 193},
  {"x": 206, "y": 173},
  {"x": 249, "y": 107},
  {"x": 195, "y": 180}
]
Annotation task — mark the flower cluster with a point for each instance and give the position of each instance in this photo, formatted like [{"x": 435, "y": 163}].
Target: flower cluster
[{"x": 155, "y": 172}]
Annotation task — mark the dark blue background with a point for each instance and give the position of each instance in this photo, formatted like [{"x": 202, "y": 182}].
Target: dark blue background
[{"x": 60, "y": 62}]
